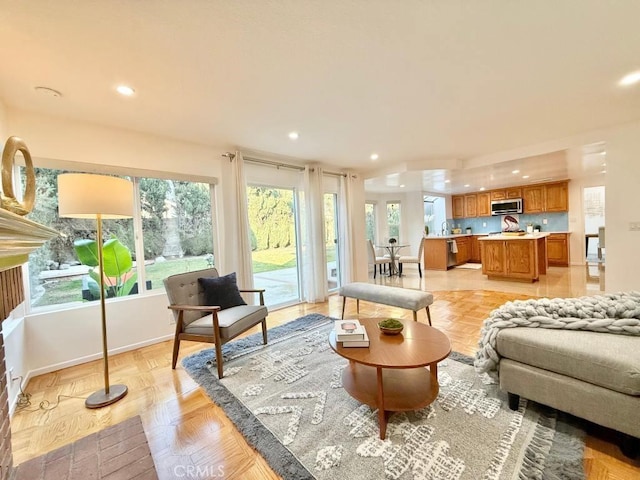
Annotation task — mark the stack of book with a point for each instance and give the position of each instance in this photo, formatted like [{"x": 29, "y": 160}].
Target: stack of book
[{"x": 351, "y": 333}]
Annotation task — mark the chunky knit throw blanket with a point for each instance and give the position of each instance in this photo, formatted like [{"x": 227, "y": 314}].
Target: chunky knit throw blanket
[{"x": 610, "y": 313}]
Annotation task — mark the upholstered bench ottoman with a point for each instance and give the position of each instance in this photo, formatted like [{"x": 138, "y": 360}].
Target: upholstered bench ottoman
[
  {"x": 595, "y": 376},
  {"x": 413, "y": 300}
]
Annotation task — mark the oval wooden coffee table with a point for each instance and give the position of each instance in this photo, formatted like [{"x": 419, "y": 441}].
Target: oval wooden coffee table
[{"x": 390, "y": 374}]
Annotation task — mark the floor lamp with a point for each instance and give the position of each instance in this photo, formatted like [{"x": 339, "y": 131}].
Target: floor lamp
[{"x": 101, "y": 197}]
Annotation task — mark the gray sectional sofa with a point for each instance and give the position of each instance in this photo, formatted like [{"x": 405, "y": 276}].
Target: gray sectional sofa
[{"x": 595, "y": 376}]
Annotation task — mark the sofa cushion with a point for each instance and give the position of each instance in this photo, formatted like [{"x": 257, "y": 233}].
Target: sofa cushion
[
  {"x": 221, "y": 291},
  {"x": 609, "y": 360},
  {"x": 232, "y": 321}
]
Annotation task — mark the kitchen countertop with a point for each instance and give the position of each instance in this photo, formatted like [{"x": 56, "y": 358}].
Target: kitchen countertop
[
  {"x": 458, "y": 235},
  {"x": 528, "y": 236}
]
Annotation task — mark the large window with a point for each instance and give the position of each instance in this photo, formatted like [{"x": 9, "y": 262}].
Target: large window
[
  {"x": 331, "y": 240},
  {"x": 393, "y": 219},
  {"x": 370, "y": 221},
  {"x": 176, "y": 228},
  {"x": 177, "y": 236}
]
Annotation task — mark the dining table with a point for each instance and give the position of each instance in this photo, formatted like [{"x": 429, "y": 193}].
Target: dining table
[{"x": 393, "y": 249}]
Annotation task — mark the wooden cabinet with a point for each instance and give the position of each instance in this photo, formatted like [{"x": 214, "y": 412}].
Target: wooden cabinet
[
  {"x": 504, "y": 193},
  {"x": 518, "y": 259},
  {"x": 556, "y": 197},
  {"x": 558, "y": 249},
  {"x": 463, "y": 244},
  {"x": 475, "y": 255},
  {"x": 548, "y": 197},
  {"x": 533, "y": 199},
  {"x": 470, "y": 206},
  {"x": 435, "y": 253},
  {"x": 545, "y": 197},
  {"x": 514, "y": 192},
  {"x": 484, "y": 204},
  {"x": 457, "y": 202}
]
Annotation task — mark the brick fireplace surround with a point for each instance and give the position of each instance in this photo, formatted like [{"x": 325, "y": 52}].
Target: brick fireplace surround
[{"x": 11, "y": 295}]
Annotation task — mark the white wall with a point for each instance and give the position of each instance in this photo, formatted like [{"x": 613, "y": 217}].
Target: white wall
[
  {"x": 360, "y": 260},
  {"x": 576, "y": 209},
  {"x": 15, "y": 356},
  {"x": 4, "y": 128},
  {"x": 62, "y": 338},
  {"x": 56, "y": 138},
  {"x": 622, "y": 206},
  {"x": 413, "y": 216}
]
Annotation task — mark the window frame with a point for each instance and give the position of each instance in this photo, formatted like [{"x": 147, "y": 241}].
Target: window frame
[{"x": 135, "y": 175}]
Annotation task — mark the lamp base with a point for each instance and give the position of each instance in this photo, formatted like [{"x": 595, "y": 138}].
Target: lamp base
[{"x": 101, "y": 399}]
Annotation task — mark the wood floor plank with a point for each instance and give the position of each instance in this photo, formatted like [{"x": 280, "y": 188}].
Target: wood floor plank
[{"x": 185, "y": 429}]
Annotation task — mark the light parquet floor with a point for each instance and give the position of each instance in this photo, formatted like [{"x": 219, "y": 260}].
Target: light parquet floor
[{"x": 186, "y": 430}]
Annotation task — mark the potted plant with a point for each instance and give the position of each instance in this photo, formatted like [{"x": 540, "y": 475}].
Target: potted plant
[{"x": 118, "y": 278}]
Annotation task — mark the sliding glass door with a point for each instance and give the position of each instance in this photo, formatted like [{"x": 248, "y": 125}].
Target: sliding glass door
[
  {"x": 331, "y": 240},
  {"x": 274, "y": 243}
]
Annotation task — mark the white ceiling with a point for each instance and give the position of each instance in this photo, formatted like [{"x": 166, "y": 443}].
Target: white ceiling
[{"x": 416, "y": 81}]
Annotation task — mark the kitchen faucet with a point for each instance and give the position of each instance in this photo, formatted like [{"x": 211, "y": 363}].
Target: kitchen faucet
[{"x": 445, "y": 227}]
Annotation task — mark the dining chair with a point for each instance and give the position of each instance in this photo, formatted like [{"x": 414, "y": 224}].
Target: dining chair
[
  {"x": 409, "y": 259},
  {"x": 376, "y": 260}
]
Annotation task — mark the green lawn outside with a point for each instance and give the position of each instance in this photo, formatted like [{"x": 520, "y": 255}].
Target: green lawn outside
[{"x": 66, "y": 290}]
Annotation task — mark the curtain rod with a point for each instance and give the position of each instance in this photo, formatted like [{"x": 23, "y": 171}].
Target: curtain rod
[
  {"x": 299, "y": 168},
  {"x": 273, "y": 164}
]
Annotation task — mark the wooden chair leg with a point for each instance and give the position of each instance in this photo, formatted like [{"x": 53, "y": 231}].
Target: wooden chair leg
[
  {"x": 218, "y": 344},
  {"x": 264, "y": 331},
  {"x": 428, "y": 315},
  {"x": 344, "y": 302},
  {"x": 176, "y": 348},
  {"x": 415, "y": 316},
  {"x": 400, "y": 268},
  {"x": 357, "y": 305},
  {"x": 375, "y": 268}
]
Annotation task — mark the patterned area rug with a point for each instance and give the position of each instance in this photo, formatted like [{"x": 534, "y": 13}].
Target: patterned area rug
[{"x": 288, "y": 401}]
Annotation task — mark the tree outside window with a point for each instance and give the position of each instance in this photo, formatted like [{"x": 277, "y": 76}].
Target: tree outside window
[
  {"x": 393, "y": 219},
  {"x": 370, "y": 221},
  {"x": 177, "y": 236}
]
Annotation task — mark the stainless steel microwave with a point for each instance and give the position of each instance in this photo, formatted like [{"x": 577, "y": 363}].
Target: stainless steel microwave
[{"x": 503, "y": 207}]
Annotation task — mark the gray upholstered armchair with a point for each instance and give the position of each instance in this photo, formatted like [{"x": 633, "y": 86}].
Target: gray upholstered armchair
[{"x": 208, "y": 308}]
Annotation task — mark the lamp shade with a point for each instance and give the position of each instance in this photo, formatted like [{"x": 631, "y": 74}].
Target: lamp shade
[{"x": 84, "y": 195}]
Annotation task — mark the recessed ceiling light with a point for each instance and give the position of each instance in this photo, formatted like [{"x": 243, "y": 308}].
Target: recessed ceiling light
[
  {"x": 374, "y": 156},
  {"x": 49, "y": 92},
  {"x": 630, "y": 79},
  {"x": 525, "y": 176},
  {"x": 603, "y": 153},
  {"x": 604, "y": 164},
  {"x": 515, "y": 171},
  {"x": 603, "y": 171},
  {"x": 125, "y": 90},
  {"x": 482, "y": 189},
  {"x": 402, "y": 186},
  {"x": 467, "y": 185},
  {"x": 447, "y": 181},
  {"x": 293, "y": 135}
]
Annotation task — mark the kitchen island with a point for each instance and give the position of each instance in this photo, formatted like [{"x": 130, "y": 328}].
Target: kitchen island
[
  {"x": 514, "y": 257},
  {"x": 439, "y": 253}
]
